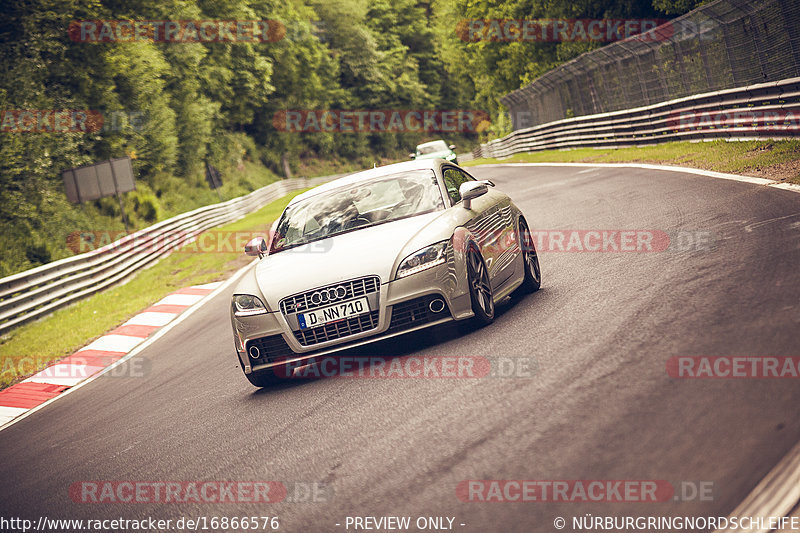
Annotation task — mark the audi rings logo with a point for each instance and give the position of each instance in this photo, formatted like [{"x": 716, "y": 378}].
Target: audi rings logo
[{"x": 328, "y": 295}]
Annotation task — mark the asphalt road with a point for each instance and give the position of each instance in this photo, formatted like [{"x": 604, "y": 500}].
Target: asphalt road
[{"x": 598, "y": 405}]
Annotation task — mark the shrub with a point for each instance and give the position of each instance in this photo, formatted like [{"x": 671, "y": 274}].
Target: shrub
[{"x": 146, "y": 204}]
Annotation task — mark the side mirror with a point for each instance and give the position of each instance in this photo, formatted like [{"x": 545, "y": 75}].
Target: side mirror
[
  {"x": 469, "y": 190},
  {"x": 256, "y": 247},
  {"x": 490, "y": 183},
  {"x": 452, "y": 146}
]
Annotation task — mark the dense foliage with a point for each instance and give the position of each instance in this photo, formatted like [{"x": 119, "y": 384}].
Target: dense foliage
[{"x": 174, "y": 106}]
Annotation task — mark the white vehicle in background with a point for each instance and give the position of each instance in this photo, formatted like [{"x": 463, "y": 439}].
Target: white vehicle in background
[{"x": 434, "y": 150}]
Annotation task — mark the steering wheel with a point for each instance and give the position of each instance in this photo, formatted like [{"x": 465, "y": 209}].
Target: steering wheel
[{"x": 358, "y": 221}]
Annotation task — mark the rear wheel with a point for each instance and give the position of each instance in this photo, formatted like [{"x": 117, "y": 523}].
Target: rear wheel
[
  {"x": 533, "y": 274},
  {"x": 480, "y": 287}
]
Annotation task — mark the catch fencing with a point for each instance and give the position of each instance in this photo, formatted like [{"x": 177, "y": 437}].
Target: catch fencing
[{"x": 724, "y": 44}]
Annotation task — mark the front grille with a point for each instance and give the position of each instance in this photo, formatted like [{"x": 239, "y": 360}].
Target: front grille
[
  {"x": 415, "y": 313},
  {"x": 354, "y": 288},
  {"x": 271, "y": 348},
  {"x": 336, "y": 330}
]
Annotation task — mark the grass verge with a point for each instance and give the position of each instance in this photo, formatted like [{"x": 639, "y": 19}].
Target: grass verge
[
  {"x": 31, "y": 347},
  {"x": 776, "y": 160}
]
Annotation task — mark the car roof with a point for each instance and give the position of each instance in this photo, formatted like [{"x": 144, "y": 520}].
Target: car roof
[
  {"x": 372, "y": 173},
  {"x": 438, "y": 141}
]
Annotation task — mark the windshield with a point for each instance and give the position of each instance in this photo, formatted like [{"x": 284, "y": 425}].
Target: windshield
[
  {"x": 357, "y": 206},
  {"x": 429, "y": 148}
]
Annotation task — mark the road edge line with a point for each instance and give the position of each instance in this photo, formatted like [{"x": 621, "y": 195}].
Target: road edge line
[
  {"x": 775, "y": 496},
  {"x": 687, "y": 170}
]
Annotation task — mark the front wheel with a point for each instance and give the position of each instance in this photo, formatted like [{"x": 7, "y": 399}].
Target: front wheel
[
  {"x": 533, "y": 273},
  {"x": 480, "y": 287}
]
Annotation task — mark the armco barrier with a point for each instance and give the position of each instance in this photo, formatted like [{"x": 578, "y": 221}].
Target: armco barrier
[
  {"x": 37, "y": 292},
  {"x": 763, "y": 111}
]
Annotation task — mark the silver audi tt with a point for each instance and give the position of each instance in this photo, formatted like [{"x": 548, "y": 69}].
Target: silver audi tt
[{"x": 377, "y": 254}]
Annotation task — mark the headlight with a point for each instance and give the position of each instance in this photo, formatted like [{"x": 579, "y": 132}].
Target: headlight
[
  {"x": 247, "y": 304},
  {"x": 422, "y": 260}
]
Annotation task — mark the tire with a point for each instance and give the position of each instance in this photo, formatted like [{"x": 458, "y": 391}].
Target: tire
[
  {"x": 533, "y": 273},
  {"x": 480, "y": 287},
  {"x": 263, "y": 378}
]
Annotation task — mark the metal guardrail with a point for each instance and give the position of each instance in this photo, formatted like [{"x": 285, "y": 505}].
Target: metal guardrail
[
  {"x": 763, "y": 111},
  {"x": 37, "y": 292}
]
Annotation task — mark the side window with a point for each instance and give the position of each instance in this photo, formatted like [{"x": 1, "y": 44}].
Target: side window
[{"x": 453, "y": 178}]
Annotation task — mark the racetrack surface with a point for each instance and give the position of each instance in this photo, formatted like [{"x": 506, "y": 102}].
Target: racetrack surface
[{"x": 598, "y": 406}]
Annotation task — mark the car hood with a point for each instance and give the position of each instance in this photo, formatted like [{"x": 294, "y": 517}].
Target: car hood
[{"x": 363, "y": 252}]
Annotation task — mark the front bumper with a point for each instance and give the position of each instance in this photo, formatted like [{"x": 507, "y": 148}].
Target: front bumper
[{"x": 402, "y": 307}]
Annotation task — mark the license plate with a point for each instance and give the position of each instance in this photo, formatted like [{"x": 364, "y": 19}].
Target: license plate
[{"x": 332, "y": 313}]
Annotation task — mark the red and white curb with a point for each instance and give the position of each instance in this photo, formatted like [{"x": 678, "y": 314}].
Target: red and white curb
[{"x": 18, "y": 399}]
